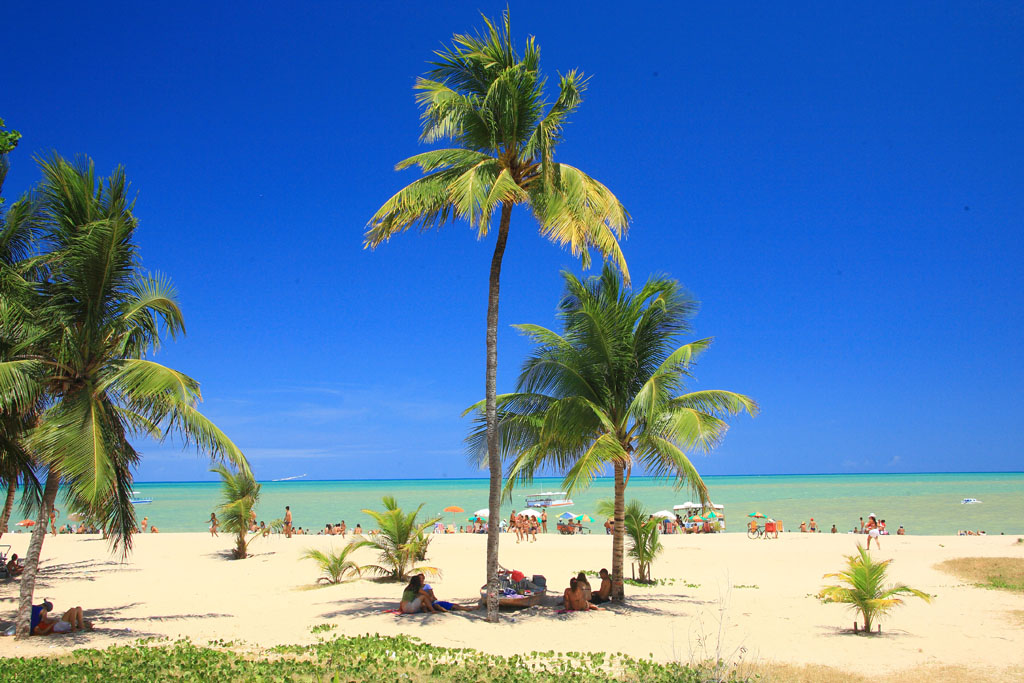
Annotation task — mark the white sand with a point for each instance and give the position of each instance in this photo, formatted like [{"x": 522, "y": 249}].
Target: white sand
[{"x": 182, "y": 585}]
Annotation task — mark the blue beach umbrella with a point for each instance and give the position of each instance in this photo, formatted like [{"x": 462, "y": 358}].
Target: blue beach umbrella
[{"x": 566, "y": 515}]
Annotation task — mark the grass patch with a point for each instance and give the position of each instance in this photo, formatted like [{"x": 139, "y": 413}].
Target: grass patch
[
  {"x": 362, "y": 658},
  {"x": 643, "y": 584},
  {"x": 747, "y": 585},
  {"x": 999, "y": 573}
]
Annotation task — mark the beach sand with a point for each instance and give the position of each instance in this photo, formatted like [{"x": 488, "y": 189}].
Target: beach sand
[{"x": 747, "y": 600}]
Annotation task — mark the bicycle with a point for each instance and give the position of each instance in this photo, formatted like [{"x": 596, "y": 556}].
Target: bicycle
[{"x": 755, "y": 532}]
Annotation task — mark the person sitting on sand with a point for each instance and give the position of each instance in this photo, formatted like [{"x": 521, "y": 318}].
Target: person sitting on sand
[
  {"x": 834, "y": 529},
  {"x": 43, "y": 624},
  {"x": 603, "y": 593},
  {"x": 901, "y": 531},
  {"x": 154, "y": 530},
  {"x": 415, "y": 599},
  {"x": 442, "y": 605},
  {"x": 573, "y": 598},
  {"x": 803, "y": 527},
  {"x": 881, "y": 528},
  {"x": 358, "y": 531},
  {"x": 584, "y": 584},
  {"x": 14, "y": 565}
]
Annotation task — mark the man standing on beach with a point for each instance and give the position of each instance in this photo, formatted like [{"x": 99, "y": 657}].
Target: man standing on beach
[
  {"x": 287, "y": 522},
  {"x": 544, "y": 520}
]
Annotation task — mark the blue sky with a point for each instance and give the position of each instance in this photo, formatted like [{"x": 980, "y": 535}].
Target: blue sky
[{"x": 841, "y": 188}]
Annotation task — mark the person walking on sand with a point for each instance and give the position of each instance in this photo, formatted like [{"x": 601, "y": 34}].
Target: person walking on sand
[
  {"x": 145, "y": 523},
  {"x": 861, "y": 525},
  {"x": 544, "y": 520},
  {"x": 287, "y": 521},
  {"x": 53, "y": 520},
  {"x": 213, "y": 523},
  {"x": 872, "y": 531},
  {"x": 813, "y": 526}
]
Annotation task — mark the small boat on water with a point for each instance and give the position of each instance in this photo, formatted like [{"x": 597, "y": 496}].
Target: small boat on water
[
  {"x": 548, "y": 499},
  {"x": 137, "y": 499},
  {"x": 299, "y": 476},
  {"x": 969, "y": 501}
]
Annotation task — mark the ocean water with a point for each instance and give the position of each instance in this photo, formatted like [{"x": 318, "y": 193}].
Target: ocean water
[{"x": 923, "y": 503}]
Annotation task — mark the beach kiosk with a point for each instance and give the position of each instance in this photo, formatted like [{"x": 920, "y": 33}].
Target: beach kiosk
[{"x": 713, "y": 512}]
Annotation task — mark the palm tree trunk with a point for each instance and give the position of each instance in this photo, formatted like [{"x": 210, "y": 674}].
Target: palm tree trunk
[
  {"x": 491, "y": 392},
  {"x": 35, "y": 547},
  {"x": 618, "y": 535},
  {"x": 12, "y": 489}
]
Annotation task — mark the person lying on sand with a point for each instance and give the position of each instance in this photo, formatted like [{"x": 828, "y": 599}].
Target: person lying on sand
[
  {"x": 43, "y": 624},
  {"x": 444, "y": 605}
]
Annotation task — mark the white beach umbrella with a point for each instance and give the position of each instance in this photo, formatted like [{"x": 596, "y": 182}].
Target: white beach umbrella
[
  {"x": 530, "y": 512},
  {"x": 664, "y": 513},
  {"x": 486, "y": 512}
]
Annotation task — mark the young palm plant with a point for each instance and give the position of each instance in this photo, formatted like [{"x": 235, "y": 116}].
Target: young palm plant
[
  {"x": 334, "y": 564},
  {"x": 644, "y": 539},
  {"x": 93, "y": 319},
  {"x": 489, "y": 100},
  {"x": 607, "y": 393},
  {"x": 862, "y": 587},
  {"x": 241, "y": 494},
  {"x": 400, "y": 542}
]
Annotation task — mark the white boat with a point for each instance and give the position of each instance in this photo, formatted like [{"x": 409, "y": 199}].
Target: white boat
[
  {"x": 137, "y": 499},
  {"x": 548, "y": 499},
  {"x": 299, "y": 476},
  {"x": 969, "y": 501}
]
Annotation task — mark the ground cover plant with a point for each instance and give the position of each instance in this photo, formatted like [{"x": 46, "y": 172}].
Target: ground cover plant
[
  {"x": 1003, "y": 573},
  {"x": 361, "y": 658}
]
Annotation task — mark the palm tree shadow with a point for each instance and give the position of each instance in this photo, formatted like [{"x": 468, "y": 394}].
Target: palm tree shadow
[{"x": 839, "y": 632}]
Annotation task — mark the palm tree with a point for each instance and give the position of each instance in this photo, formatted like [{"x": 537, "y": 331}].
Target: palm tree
[
  {"x": 489, "y": 101},
  {"x": 96, "y": 317},
  {"x": 240, "y": 493},
  {"x": 334, "y": 565},
  {"x": 642, "y": 529},
  {"x": 606, "y": 393},
  {"x": 18, "y": 275},
  {"x": 400, "y": 542},
  {"x": 862, "y": 587}
]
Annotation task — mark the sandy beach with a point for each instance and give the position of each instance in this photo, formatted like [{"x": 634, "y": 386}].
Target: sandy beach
[{"x": 761, "y": 592}]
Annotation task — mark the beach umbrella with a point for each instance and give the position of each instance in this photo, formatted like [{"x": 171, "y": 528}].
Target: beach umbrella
[
  {"x": 664, "y": 513},
  {"x": 485, "y": 513},
  {"x": 757, "y": 515},
  {"x": 531, "y": 513},
  {"x": 26, "y": 522},
  {"x": 566, "y": 515},
  {"x": 453, "y": 508},
  {"x": 585, "y": 518},
  {"x": 698, "y": 518}
]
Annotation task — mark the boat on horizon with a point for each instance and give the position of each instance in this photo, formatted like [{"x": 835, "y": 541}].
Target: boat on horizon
[
  {"x": 969, "y": 501},
  {"x": 300, "y": 476},
  {"x": 548, "y": 499},
  {"x": 137, "y": 499}
]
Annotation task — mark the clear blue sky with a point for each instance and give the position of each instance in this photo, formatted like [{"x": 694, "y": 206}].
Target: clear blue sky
[{"x": 842, "y": 187}]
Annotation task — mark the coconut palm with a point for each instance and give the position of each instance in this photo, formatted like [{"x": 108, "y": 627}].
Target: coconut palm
[
  {"x": 400, "y": 542},
  {"x": 862, "y": 587},
  {"x": 489, "y": 100},
  {"x": 606, "y": 393},
  {"x": 642, "y": 529},
  {"x": 334, "y": 565},
  {"x": 241, "y": 493},
  {"x": 95, "y": 317}
]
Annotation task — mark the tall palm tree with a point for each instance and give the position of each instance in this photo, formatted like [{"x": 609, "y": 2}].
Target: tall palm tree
[
  {"x": 606, "y": 393},
  {"x": 489, "y": 101},
  {"x": 96, "y": 317},
  {"x": 17, "y": 277}
]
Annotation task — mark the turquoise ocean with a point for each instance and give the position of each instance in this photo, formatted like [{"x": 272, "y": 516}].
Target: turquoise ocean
[{"x": 923, "y": 503}]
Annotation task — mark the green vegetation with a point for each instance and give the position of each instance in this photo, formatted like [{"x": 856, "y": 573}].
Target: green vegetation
[
  {"x": 644, "y": 539},
  {"x": 605, "y": 394},
  {"x": 241, "y": 493},
  {"x": 8, "y": 139},
  {"x": 862, "y": 587},
  {"x": 489, "y": 101},
  {"x": 77, "y": 343},
  {"x": 997, "y": 573},
  {"x": 334, "y": 564},
  {"x": 401, "y": 541},
  {"x": 364, "y": 658}
]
